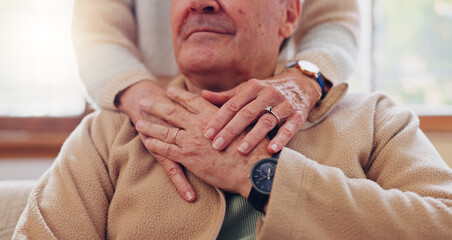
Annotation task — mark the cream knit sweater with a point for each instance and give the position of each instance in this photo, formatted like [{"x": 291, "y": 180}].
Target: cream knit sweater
[
  {"x": 362, "y": 170},
  {"x": 120, "y": 42}
]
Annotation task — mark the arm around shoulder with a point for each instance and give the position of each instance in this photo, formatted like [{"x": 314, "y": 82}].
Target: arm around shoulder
[
  {"x": 104, "y": 35},
  {"x": 328, "y": 35}
]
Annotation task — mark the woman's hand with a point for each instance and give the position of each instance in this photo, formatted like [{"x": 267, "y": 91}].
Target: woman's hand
[
  {"x": 291, "y": 96},
  {"x": 128, "y": 102},
  {"x": 227, "y": 170}
]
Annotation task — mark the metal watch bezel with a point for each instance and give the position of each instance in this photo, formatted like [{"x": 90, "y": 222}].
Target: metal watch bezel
[{"x": 264, "y": 160}]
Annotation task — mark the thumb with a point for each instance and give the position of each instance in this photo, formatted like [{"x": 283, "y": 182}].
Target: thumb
[{"x": 217, "y": 98}]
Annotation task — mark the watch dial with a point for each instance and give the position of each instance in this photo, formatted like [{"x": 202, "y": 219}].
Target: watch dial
[
  {"x": 263, "y": 175},
  {"x": 308, "y": 66}
]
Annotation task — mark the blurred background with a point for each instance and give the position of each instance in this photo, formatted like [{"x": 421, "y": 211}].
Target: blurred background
[{"x": 406, "y": 52}]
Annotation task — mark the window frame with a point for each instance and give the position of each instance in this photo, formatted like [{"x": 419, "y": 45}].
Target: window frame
[
  {"x": 35, "y": 137},
  {"x": 42, "y": 137}
]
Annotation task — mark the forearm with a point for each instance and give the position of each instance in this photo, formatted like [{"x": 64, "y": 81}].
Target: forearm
[
  {"x": 328, "y": 36},
  {"x": 104, "y": 37}
]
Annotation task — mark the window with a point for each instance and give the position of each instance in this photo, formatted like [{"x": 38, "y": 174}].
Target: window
[
  {"x": 38, "y": 71},
  {"x": 40, "y": 94},
  {"x": 406, "y": 53}
]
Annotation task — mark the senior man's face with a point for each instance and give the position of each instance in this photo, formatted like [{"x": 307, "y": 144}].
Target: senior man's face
[{"x": 239, "y": 36}]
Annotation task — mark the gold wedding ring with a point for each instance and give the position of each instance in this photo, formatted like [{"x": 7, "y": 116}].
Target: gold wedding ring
[{"x": 175, "y": 135}]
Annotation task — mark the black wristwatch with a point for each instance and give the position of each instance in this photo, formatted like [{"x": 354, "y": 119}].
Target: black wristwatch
[{"x": 261, "y": 177}]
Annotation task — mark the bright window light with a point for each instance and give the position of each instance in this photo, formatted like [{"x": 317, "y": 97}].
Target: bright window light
[{"x": 38, "y": 71}]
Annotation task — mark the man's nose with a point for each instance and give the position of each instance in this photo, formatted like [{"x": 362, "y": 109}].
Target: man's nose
[{"x": 204, "y": 6}]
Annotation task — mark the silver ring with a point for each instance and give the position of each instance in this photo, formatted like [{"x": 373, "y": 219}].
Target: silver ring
[
  {"x": 175, "y": 135},
  {"x": 269, "y": 110}
]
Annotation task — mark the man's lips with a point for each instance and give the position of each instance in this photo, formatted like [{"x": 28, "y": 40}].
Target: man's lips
[
  {"x": 205, "y": 31},
  {"x": 210, "y": 23}
]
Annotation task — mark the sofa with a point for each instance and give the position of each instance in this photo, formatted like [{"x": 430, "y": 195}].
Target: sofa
[{"x": 13, "y": 199}]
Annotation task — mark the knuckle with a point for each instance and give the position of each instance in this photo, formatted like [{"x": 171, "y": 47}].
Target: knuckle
[
  {"x": 287, "y": 132},
  {"x": 274, "y": 93},
  {"x": 254, "y": 82},
  {"x": 174, "y": 171},
  {"x": 165, "y": 133},
  {"x": 192, "y": 100},
  {"x": 299, "y": 117},
  {"x": 268, "y": 121},
  {"x": 171, "y": 111},
  {"x": 248, "y": 114},
  {"x": 167, "y": 150},
  {"x": 229, "y": 132},
  {"x": 252, "y": 138},
  {"x": 232, "y": 106}
]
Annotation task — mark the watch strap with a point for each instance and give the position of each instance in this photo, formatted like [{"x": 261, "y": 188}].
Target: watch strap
[
  {"x": 257, "y": 199},
  {"x": 320, "y": 81}
]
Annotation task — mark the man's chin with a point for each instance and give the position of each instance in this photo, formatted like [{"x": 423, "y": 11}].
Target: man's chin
[
  {"x": 200, "y": 67},
  {"x": 203, "y": 63}
]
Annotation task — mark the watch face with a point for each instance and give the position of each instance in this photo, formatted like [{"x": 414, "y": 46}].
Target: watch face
[
  {"x": 262, "y": 175},
  {"x": 308, "y": 66}
]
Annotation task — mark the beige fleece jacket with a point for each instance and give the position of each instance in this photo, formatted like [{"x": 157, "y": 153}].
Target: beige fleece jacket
[
  {"x": 362, "y": 169},
  {"x": 121, "y": 42}
]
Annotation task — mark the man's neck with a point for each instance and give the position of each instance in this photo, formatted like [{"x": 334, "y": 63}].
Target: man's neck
[{"x": 195, "y": 83}]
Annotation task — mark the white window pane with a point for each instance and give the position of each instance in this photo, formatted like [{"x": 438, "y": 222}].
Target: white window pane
[
  {"x": 38, "y": 71},
  {"x": 414, "y": 53},
  {"x": 360, "y": 81}
]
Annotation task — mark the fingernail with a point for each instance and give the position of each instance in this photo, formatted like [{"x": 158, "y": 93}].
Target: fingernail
[
  {"x": 144, "y": 102},
  {"x": 189, "y": 195},
  {"x": 171, "y": 90},
  {"x": 275, "y": 148},
  {"x": 243, "y": 147},
  {"x": 217, "y": 144},
  {"x": 209, "y": 133},
  {"x": 140, "y": 124}
]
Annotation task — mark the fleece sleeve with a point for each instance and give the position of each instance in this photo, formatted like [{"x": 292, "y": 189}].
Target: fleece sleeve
[
  {"x": 104, "y": 34},
  {"x": 328, "y": 36},
  {"x": 406, "y": 192},
  {"x": 71, "y": 200}
]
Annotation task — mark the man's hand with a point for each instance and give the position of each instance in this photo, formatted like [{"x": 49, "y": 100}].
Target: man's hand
[
  {"x": 128, "y": 102},
  {"x": 291, "y": 95},
  {"x": 227, "y": 170}
]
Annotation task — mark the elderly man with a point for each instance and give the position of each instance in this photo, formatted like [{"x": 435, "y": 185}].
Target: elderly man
[{"x": 361, "y": 168}]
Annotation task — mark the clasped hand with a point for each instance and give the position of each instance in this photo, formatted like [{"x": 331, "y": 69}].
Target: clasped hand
[
  {"x": 290, "y": 95},
  {"x": 185, "y": 144}
]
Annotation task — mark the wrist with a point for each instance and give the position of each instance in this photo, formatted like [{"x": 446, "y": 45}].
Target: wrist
[
  {"x": 311, "y": 70},
  {"x": 246, "y": 185},
  {"x": 127, "y": 101},
  {"x": 261, "y": 176},
  {"x": 312, "y": 88}
]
